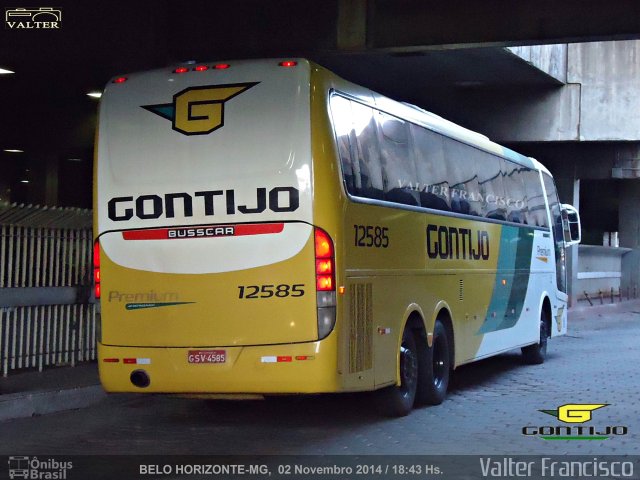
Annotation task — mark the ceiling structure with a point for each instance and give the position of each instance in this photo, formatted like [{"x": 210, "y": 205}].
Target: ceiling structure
[{"x": 410, "y": 50}]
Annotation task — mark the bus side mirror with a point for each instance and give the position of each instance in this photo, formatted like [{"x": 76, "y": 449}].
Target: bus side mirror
[{"x": 572, "y": 231}]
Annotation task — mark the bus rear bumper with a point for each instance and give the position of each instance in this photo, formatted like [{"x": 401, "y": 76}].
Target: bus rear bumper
[{"x": 288, "y": 369}]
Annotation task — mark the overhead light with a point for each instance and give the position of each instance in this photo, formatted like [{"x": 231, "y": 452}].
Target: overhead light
[
  {"x": 13, "y": 150},
  {"x": 74, "y": 159},
  {"x": 4, "y": 71},
  {"x": 94, "y": 94},
  {"x": 24, "y": 181}
]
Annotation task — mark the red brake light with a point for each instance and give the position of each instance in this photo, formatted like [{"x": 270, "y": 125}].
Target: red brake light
[
  {"x": 324, "y": 247},
  {"x": 325, "y": 262},
  {"x": 120, "y": 80},
  {"x": 324, "y": 283},
  {"x": 221, "y": 66},
  {"x": 181, "y": 70},
  {"x": 324, "y": 267},
  {"x": 96, "y": 268},
  {"x": 96, "y": 254},
  {"x": 288, "y": 63},
  {"x": 201, "y": 68}
]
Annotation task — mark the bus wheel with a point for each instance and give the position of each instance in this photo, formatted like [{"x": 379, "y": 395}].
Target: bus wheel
[
  {"x": 397, "y": 401},
  {"x": 535, "y": 354},
  {"x": 435, "y": 368}
]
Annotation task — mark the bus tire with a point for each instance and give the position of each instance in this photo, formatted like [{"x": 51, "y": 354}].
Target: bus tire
[
  {"x": 397, "y": 401},
  {"x": 434, "y": 368},
  {"x": 536, "y": 353}
]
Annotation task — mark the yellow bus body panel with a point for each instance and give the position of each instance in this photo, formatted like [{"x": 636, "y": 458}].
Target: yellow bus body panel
[
  {"x": 203, "y": 310},
  {"x": 243, "y": 372}
]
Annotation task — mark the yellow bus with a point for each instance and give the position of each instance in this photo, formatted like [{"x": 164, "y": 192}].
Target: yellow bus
[{"x": 265, "y": 227}]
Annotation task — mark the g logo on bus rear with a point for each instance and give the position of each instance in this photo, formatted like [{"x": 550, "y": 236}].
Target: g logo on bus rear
[{"x": 199, "y": 110}]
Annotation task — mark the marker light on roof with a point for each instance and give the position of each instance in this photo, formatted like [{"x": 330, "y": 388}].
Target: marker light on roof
[
  {"x": 288, "y": 63},
  {"x": 201, "y": 68},
  {"x": 120, "y": 80},
  {"x": 221, "y": 66},
  {"x": 181, "y": 70}
]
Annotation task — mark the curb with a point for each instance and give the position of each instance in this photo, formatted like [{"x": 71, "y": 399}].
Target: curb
[
  {"x": 627, "y": 306},
  {"x": 28, "y": 404}
]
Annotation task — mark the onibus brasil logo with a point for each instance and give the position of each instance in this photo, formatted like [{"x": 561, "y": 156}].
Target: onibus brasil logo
[
  {"x": 575, "y": 413},
  {"x": 41, "y": 469},
  {"x": 199, "y": 110}
]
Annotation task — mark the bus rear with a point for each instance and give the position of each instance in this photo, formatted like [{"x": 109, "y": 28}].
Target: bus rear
[{"x": 211, "y": 275}]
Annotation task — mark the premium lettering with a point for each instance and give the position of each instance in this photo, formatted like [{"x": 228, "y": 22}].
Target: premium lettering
[
  {"x": 150, "y": 296},
  {"x": 457, "y": 243},
  {"x": 213, "y": 202}
]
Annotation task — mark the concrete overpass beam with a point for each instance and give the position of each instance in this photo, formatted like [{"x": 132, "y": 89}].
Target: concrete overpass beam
[
  {"x": 551, "y": 59},
  {"x": 352, "y": 25},
  {"x": 545, "y": 116},
  {"x": 414, "y": 24},
  {"x": 610, "y": 97}
]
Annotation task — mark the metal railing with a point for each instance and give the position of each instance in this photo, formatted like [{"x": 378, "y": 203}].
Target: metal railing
[{"x": 46, "y": 317}]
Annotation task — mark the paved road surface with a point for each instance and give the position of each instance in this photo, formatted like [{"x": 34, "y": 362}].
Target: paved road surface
[{"x": 488, "y": 405}]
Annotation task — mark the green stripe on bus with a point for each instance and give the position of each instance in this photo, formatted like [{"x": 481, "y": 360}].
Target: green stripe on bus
[{"x": 507, "y": 300}]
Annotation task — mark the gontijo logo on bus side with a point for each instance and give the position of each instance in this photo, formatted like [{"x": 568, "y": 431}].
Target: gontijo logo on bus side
[{"x": 199, "y": 110}]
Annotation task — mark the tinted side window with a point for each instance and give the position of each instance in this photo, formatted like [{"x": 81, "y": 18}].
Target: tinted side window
[
  {"x": 431, "y": 168},
  {"x": 536, "y": 209},
  {"x": 491, "y": 187},
  {"x": 462, "y": 164},
  {"x": 384, "y": 157},
  {"x": 367, "y": 163},
  {"x": 557, "y": 229},
  {"x": 343, "y": 125},
  {"x": 398, "y": 167},
  {"x": 516, "y": 195}
]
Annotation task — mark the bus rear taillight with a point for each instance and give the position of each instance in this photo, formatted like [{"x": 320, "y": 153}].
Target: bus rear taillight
[
  {"x": 325, "y": 283},
  {"x": 324, "y": 261},
  {"x": 96, "y": 269}
]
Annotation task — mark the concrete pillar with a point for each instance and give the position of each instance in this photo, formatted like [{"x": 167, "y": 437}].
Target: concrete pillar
[
  {"x": 352, "y": 25},
  {"x": 572, "y": 252},
  {"x": 629, "y": 235}
]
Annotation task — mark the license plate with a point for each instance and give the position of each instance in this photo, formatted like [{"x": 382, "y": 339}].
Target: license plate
[{"x": 207, "y": 356}]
